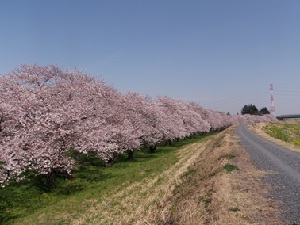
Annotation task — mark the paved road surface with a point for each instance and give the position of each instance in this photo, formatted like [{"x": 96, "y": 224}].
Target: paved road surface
[{"x": 285, "y": 166}]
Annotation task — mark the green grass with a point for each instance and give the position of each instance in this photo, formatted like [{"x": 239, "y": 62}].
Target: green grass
[
  {"x": 29, "y": 199},
  {"x": 230, "y": 156},
  {"x": 288, "y": 131},
  {"x": 234, "y": 209},
  {"x": 229, "y": 167}
]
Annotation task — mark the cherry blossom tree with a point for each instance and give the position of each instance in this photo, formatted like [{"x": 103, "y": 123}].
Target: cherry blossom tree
[
  {"x": 51, "y": 113},
  {"x": 39, "y": 134},
  {"x": 184, "y": 118},
  {"x": 145, "y": 118},
  {"x": 45, "y": 111},
  {"x": 202, "y": 125}
]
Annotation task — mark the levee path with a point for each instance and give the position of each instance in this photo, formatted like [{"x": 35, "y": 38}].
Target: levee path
[{"x": 283, "y": 171}]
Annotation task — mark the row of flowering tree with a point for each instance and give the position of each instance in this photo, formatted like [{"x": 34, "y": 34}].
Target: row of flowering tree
[{"x": 46, "y": 111}]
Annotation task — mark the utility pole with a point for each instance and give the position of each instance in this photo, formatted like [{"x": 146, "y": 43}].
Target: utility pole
[{"x": 272, "y": 107}]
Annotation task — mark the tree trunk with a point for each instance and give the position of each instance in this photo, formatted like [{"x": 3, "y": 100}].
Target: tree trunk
[
  {"x": 111, "y": 161},
  {"x": 69, "y": 176},
  {"x": 130, "y": 155},
  {"x": 107, "y": 163},
  {"x": 169, "y": 142},
  {"x": 50, "y": 179},
  {"x": 152, "y": 148}
]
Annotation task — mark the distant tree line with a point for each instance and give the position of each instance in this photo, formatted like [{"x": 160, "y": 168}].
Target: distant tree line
[{"x": 252, "y": 110}]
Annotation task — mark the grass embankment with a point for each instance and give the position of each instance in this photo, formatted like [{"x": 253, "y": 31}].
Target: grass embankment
[
  {"x": 285, "y": 133},
  {"x": 288, "y": 131},
  {"x": 97, "y": 194},
  {"x": 206, "y": 180},
  {"x": 222, "y": 187}
]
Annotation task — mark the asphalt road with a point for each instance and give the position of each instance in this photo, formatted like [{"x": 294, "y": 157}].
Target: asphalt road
[{"x": 284, "y": 166}]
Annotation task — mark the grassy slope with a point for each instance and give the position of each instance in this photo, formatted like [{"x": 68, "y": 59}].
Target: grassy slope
[
  {"x": 207, "y": 182},
  {"x": 283, "y": 133},
  {"x": 288, "y": 131},
  {"x": 223, "y": 187},
  {"x": 93, "y": 185}
]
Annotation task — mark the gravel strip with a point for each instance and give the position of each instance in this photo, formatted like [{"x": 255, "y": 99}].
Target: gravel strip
[{"x": 284, "y": 166}]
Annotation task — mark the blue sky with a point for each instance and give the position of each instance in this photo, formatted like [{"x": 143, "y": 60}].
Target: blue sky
[{"x": 222, "y": 54}]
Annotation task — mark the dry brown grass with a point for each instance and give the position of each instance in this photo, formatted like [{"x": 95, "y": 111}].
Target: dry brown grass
[
  {"x": 194, "y": 191},
  {"x": 214, "y": 196},
  {"x": 146, "y": 202}
]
